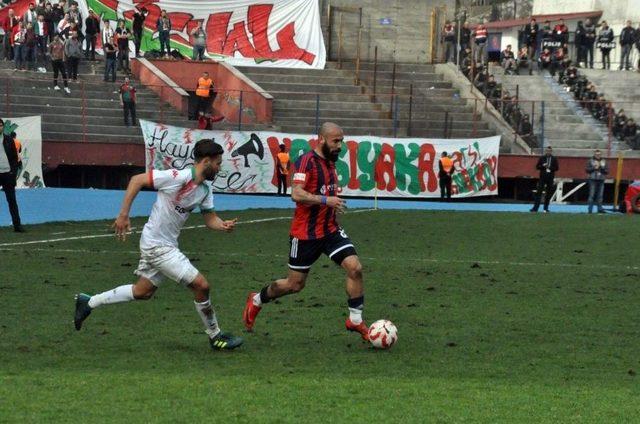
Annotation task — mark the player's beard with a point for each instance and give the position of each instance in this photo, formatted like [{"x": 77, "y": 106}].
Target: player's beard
[
  {"x": 209, "y": 174},
  {"x": 332, "y": 156}
]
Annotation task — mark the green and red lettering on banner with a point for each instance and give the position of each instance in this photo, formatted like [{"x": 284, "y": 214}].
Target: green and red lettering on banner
[
  {"x": 367, "y": 165},
  {"x": 283, "y": 33}
]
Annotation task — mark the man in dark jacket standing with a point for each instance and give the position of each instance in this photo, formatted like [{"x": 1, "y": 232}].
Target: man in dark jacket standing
[
  {"x": 92, "y": 29},
  {"x": 627, "y": 37},
  {"x": 589, "y": 42},
  {"x": 8, "y": 172},
  {"x": 530, "y": 34},
  {"x": 547, "y": 165},
  {"x": 138, "y": 27}
]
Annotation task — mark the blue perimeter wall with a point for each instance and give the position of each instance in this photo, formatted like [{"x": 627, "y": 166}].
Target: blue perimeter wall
[{"x": 63, "y": 204}]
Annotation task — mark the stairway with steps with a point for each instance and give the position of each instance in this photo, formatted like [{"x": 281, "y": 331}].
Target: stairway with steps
[
  {"x": 433, "y": 100},
  {"x": 357, "y": 110},
  {"x": 621, "y": 88},
  {"x": 92, "y": 111},
  {"x": 564, "y": 128},
  {"x": 297, "y": 92}
]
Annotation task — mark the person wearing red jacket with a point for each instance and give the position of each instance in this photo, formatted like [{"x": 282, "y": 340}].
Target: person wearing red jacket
[
  {"x": 561, "y": 32},
  {"x": 8, "y": 24}
]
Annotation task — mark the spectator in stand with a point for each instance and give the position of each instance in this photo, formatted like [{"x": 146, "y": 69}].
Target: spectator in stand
[
  {"x": 92, "y": 29},
  {"x": 138, "y": 27},
  {"x": 630, "y": 133},
  {"x": 109, "y": 49},
  {"x": 523, "y": 58},
  {"x": 547, "y": 31},
  {"x": 465, "y": 37},
  {"x": 18, "y": 38},
  {"x": 466, "y": 62},
  {"x": 600, "y": 108},
  {"x": 8, "y": 175},
  {"x": 544, "y": 60},
  {"x": 449, "y": 40},
  {"x": 596, "y": 171},
  {"x": 619, "y": 121},
  {"x": 9, "y": 23},
  {"x": 42, "y": 37},
  {"x": 199, "y": 42},
  {"x": 561, "y": 32},
  {"x": 508, "y": 60},
  {"x": 63, "y": 26},
  {"x": 57, "y": 14},
  {"x": 627, "y": 38},
  {"x": 128, "y": 101},
  {"x": 589, "y": 41},
  {"x": 163, "y": 25},
  {"x": 606, "y": 36},
  {"x": 525, "y": 130},
  {"x": 204, "y": 93},
  {"x": 30, "y": 16},
  {"x": 548, "y": 166},
  {"x": 558, "y": 61},
  {"x": 480, "y": 36},
  {"x": 76, "y": 16},
  {"x": 580, "y": 43},
  {"x": 73, "y": 53},
  {"x": 48, "y": 21},
  {"x": 56, "y": 51},
  {"x": 108, "y": 34},
  {"x": 40, "y": 8},
  {"x": 122, "y": 35},
  {"x": 530, "y": 34}
]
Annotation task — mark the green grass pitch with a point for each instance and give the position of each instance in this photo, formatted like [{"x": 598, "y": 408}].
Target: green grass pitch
[{"x": 501, "y": 318}]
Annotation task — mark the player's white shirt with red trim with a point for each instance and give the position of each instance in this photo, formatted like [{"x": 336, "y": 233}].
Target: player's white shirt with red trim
[{"x": 178, "y": 195}]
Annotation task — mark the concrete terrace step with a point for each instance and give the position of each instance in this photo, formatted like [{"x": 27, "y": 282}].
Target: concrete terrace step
[{"x": 284, "y": 87}]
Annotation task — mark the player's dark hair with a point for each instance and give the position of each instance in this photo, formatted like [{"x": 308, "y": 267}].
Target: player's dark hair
[{"x": 206, "y": 148}]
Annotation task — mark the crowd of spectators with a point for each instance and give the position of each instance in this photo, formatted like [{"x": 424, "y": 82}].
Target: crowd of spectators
[{"x": 553, "y": 57}]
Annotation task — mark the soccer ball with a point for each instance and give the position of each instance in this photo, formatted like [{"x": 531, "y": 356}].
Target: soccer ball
[{"x": 383, "y": 334}]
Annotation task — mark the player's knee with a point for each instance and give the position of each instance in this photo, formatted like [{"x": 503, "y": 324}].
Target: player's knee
[
  {"x": 354, "y": 268},
  {"x": 143, "y": 293},
  {"x": 296, "y": 285},
  {"x": 200, "y": 284}
]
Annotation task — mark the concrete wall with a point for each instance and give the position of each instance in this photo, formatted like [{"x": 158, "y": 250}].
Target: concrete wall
[{"x": 406, "y": 38}]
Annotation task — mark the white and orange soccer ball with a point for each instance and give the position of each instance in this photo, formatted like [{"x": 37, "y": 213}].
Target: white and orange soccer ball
[{"x": 383, "y": 334}]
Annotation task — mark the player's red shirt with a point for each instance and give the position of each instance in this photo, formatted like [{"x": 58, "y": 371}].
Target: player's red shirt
[{"x": 318, "y": 176}]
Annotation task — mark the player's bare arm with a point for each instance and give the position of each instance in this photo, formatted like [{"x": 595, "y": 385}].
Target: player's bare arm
[
  {"x": 300, "y": 195},
  {"x": 122, "y": 224},
  {"x": 214, "y": 222}
]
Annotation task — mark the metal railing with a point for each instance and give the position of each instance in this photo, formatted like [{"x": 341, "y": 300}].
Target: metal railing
[{"x": 411, "y": 111}]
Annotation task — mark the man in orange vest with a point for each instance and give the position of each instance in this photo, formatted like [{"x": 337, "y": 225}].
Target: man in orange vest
[
  {"x": 444, "y": 175},
  {"x": 204, "y": 93},
  {"x": 283, "y": 170}
]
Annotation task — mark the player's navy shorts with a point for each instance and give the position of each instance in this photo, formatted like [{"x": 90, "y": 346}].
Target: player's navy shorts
[{"x": 304, "y": 253}]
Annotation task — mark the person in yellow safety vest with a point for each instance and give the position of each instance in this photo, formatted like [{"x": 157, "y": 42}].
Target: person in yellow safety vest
[
  {"x": 283, "y": 170},
  {"x": 444, "y": 175},
  {"x": 204, "y": 94}
]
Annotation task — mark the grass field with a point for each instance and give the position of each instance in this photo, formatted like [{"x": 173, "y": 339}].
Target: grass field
[{"x": 501, "y": 317}]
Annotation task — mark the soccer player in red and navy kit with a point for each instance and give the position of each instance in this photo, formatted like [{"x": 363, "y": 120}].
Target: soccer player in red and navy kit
[{"x": 315, "y": 230}]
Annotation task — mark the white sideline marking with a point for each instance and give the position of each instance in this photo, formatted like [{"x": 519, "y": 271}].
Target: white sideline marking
[{"x": 111, "y": 234}]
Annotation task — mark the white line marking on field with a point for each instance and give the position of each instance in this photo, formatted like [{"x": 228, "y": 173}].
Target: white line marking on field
[
  {"x": 93, "y": 236},
  {"x": 365, "y": 258}
]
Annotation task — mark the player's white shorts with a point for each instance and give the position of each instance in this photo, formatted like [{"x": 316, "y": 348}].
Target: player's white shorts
[{"x": 165, "y": 261}]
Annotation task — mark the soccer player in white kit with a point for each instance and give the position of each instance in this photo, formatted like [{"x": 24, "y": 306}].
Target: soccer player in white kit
[{"x": 179, "y": 193}]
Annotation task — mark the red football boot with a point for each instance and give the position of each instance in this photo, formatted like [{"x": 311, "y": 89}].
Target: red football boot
[
  {"x": 250, "y": 313},
  {"x": 359, "y": 328}
]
